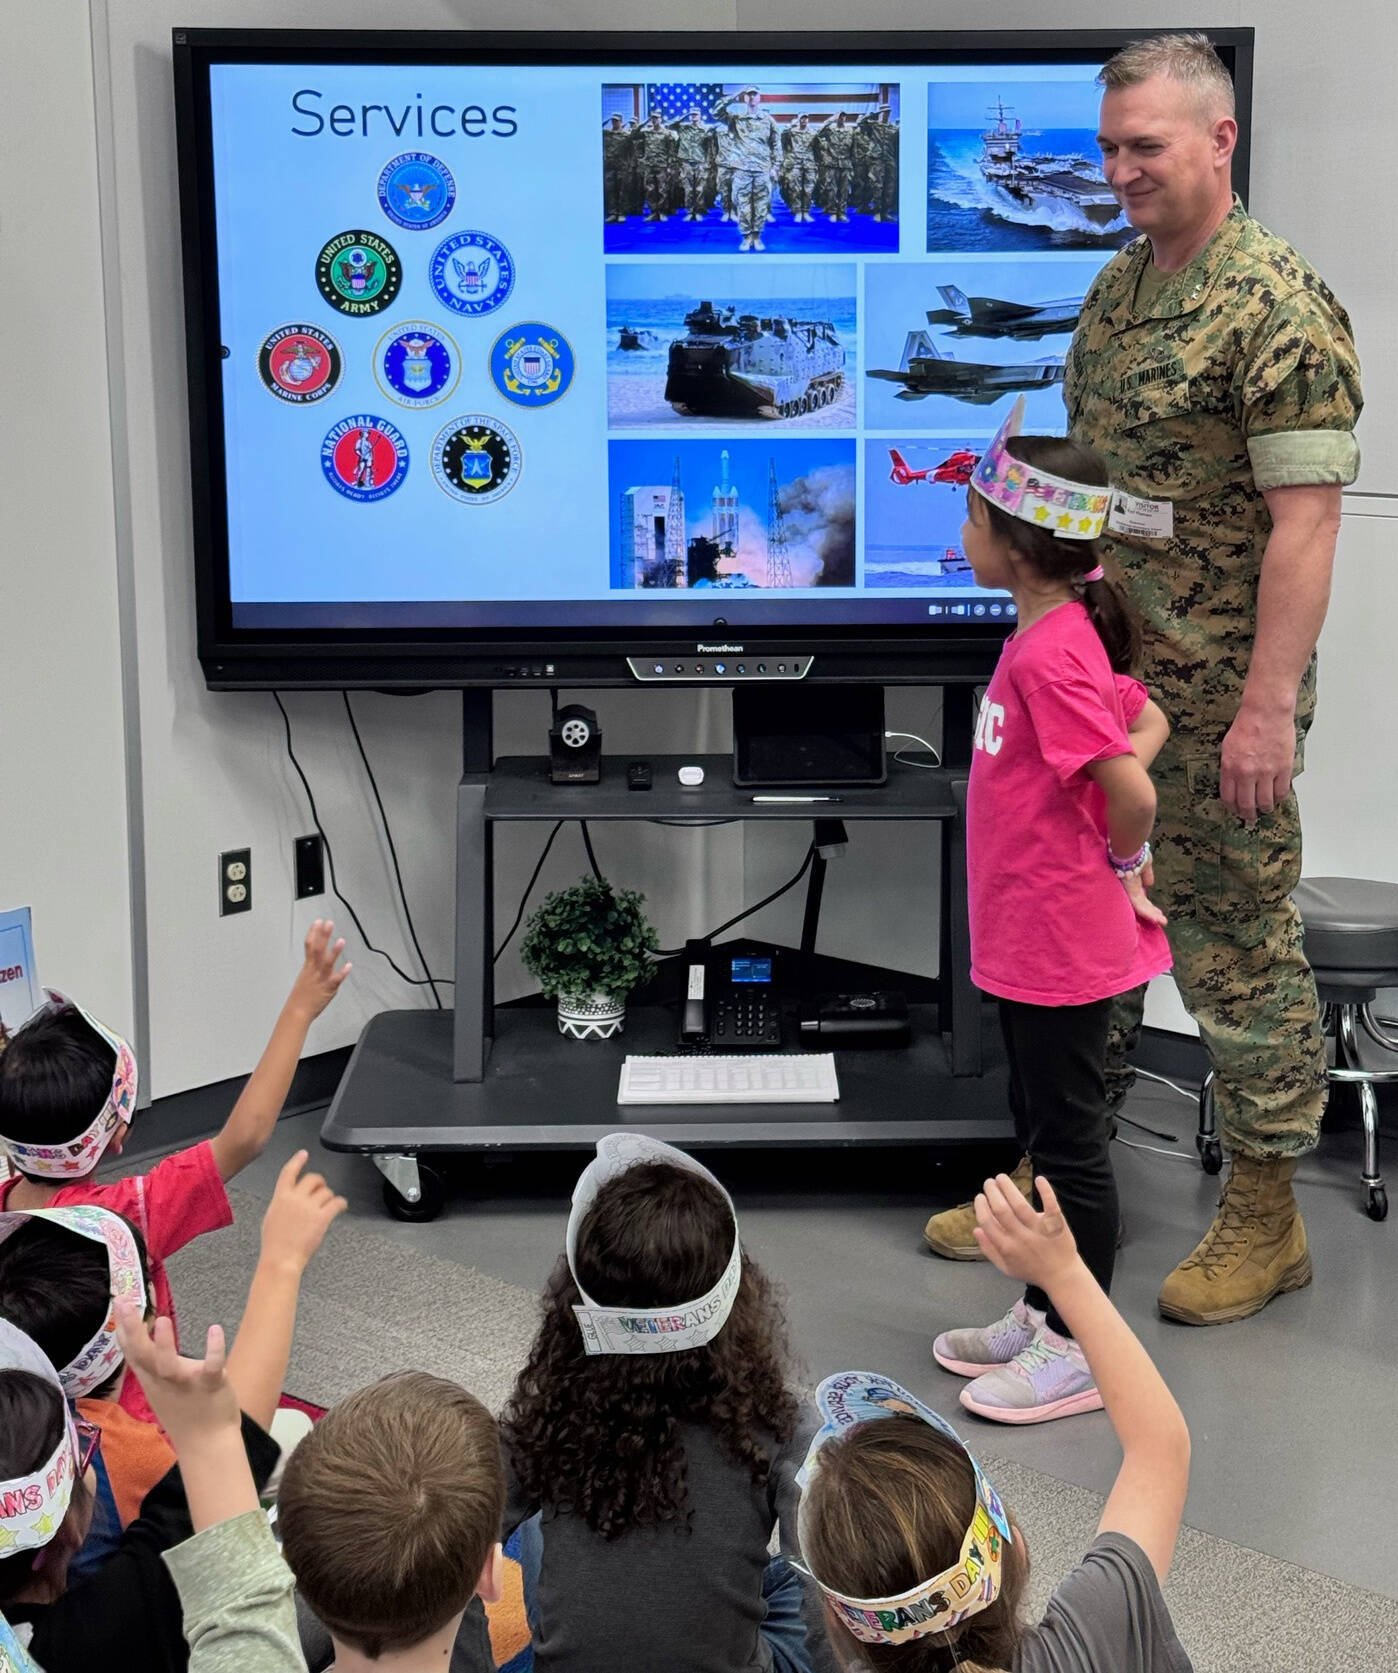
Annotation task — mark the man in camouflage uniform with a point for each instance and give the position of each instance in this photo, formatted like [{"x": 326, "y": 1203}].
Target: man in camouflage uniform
[
  {"x": 799, "y": 172},
  {"x": 617, "y": 168},
  {"x": 756, "y": 157},
  {"x": 694, "y": 145},
  {"x": 837, "y": 167},
  {"x": 886, "y": 204},
  {"x": 655, "y": 154},
  {"x": 1216, "y": 375}
]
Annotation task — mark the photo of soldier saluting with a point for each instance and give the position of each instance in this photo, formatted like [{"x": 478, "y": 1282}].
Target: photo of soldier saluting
[{"x": 746, "y": 168}]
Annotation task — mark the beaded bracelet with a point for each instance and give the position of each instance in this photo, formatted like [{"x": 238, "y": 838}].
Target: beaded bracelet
[{"x": 1132, "y": 867}]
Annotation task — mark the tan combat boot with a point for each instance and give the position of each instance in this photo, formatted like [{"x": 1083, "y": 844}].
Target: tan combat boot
[
  {"x": 1255, "y": 1249},
  {"x": 949, "y": 1233}
]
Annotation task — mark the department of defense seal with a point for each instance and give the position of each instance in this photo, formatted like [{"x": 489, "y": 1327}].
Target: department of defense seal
[
  {"x": 364, "y": 458},
  {"x": 299, "y": 363},
  {"x": 417, "y": 364},
  {"x": 476, "y": 458},
  {"x": 532, "y": 364},
  {"x": 472, "y": 272},
  {"x": 416, "y": 190},
  {"x": 358, "y": 273}
]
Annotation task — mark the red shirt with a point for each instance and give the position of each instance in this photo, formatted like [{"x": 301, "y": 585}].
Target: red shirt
[
  {"x": 1050, "y": 922},
  {"x": 178, "y": 1200}
]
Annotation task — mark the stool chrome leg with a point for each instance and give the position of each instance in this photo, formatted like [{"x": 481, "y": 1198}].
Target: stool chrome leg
[
  {"x": 1206, "y": 1140},
  {"x": 1376, "y": 1197}
]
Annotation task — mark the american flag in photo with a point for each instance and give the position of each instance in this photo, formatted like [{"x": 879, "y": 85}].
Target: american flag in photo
[
  {"x": 820, "y": 101},
  {"x": 675, "y": 99}
]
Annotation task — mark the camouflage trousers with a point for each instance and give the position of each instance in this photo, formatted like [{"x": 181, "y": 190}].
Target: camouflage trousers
[
  {"x": 798, "y": 185},
  {"x": 693, "y": 181},
  {"x": 752, "y": 198},
  {"x": 725, "y": 189},
  {"x": 655, "y": 181},
  {"x": 835, "y": 190},
  {"x": 1236, "y": 940}
]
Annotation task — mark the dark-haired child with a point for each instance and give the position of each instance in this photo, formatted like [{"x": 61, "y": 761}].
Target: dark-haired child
[
  {"x": 1059, "y": 810},
  {"x": 67, "y": 1098},
  {"x": 923, "y": 1569},
  {"x": 654, "y": 1434}
]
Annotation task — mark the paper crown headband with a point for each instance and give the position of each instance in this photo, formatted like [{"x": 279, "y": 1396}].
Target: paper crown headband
[
  {"x": 973, "y": 1581},
  {"x": 100, "y": 1358},
  {"x": 1070, "y": 510},
  {"x": 14, "y": 1658},
  {"x": 80, "y": 1155},
  {"x": 654, "y": 1330},
  {"x": 33, "y": 1506}
]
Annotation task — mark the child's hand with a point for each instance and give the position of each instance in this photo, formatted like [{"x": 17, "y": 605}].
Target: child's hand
[
  {"x": 191, "y": 1398},
  {"x": 298, "y": 1216},
  {"x": 1141, "y": 903},
  {"x": 318, "y": 981},
  {"x": 1035, "y": 1248}
]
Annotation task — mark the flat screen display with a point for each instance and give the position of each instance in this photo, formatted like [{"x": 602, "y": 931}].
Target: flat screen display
[{"x": 490, "y": 344}]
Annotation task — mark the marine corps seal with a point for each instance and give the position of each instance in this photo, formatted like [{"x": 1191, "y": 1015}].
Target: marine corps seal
[{"x": 299, "y": 363}]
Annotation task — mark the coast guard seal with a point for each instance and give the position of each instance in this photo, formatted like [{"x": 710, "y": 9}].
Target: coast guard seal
[
  {"x": 532, "y": 364},
  {"x": 476, "y": 458},
  {"x": 472, "y": 273}
]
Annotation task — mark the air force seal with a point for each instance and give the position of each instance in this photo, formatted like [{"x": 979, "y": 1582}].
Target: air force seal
[
  {"x": 416, "y": 190},
  {"x": 417, "y": 364},
  {"x": 364, "y": 458},
  {"x": 358, "y": 273},
  {"x": 476, "y": 459},
  {"x": 299, "y": 363},
  {"x": 532, "y": 364},
  {"x": 472, "y": 272}
]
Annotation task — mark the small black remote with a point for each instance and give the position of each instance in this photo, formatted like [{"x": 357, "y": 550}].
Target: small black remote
[{"x": 638, "y": 775}]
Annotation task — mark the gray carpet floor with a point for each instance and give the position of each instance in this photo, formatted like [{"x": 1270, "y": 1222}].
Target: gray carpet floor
[{"x": 372, "y": 1305}]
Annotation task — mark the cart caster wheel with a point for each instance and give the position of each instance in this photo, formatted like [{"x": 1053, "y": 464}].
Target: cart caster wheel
[
  {"x": 1377, "y": 1206},
  {"x": 1210, "y": 1154},
  {"x": 429, "y": 1204}
]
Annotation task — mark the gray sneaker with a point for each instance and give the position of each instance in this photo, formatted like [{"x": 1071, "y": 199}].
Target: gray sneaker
[{"x": 970, "y": 1352}]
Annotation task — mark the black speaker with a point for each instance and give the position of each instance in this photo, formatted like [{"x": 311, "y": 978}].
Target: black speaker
[
  {"x": 575, "y": 746},
  {"x": 796, "y": 733}
]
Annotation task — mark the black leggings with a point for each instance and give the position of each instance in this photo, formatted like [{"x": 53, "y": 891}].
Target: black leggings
[{"x": 1059, "y": 1099}]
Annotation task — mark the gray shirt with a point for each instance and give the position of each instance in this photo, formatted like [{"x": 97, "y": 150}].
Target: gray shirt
[{"x": 1108, "y": 1616}]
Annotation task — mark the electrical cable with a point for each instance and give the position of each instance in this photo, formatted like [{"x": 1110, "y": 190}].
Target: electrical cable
[
  {"x": 1140, "y": 1126},
  {"x": 747, "y": 912},
  {"x": 1183, "y": 1091},
  {"x": 412, "y": 981},
  {"x": 899, "y": 756},
  {"x": 392, "y": 851},
  {"x": 528, "y": 890},
  {"x": 591, "y": 856},
  {"x": 1155, "y": 1150}
]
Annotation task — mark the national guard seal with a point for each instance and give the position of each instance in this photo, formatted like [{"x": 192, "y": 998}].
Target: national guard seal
[
  {"x": 472, "y": 272},
  {"x": 532, "y": 364},
  {"x": 417, "y": 364},
  {"x": 364, "y": 458},
  {"x": 299, "y": 363},
  {"x": 358, "y": 273},
  {"x": 416, "y": 190},
  {"x": 476, "y": 459}
]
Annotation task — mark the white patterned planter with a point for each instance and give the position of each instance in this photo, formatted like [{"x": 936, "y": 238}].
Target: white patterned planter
[{"x": 590, "y": 1016}]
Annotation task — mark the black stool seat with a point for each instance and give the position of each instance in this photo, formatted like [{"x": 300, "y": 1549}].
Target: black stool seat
[{"x": 1351, "y": 927}]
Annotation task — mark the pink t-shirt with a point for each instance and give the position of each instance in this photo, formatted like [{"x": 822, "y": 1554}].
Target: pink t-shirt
[
  {"x": 178, "y": 1200},
  {"x": 1050, "y": 923}
]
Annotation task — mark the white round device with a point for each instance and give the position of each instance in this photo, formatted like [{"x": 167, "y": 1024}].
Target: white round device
[{"x": 691, "y": 775}]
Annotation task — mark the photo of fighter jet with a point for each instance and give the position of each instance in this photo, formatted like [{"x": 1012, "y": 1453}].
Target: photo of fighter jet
[
  {"x": 992, "y": 316},
  {"x": 955, "y": 469},
  {"x": 925, "y": 370}
]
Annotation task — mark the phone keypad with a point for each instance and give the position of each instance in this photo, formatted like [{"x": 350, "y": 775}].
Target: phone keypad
[{"x": 750, "y": 1020}]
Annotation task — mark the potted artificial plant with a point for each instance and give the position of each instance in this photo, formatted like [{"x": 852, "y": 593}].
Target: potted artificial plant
[{"x": 588, "y": 946}]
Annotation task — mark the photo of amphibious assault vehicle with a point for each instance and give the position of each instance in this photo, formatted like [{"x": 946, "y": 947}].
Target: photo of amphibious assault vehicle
[{"x": 753, "y": 366}]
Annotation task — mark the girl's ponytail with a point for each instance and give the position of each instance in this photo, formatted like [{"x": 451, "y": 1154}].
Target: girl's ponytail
[{"x": 1114, "y": 620}]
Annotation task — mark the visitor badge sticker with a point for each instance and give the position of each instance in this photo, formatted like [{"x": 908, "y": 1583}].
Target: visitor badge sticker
[
  {"x": 364, "y": 457},
  {"x": 416, "y": 190},
  {"x": 299, "y": 364},
  {"x": 472, "y": 273},
  {"x": 476, "y": 459},
  {"x": 358, "y": 273},
  {"x": 417, "y": 364},
  {"x": 532, "y": 364}
]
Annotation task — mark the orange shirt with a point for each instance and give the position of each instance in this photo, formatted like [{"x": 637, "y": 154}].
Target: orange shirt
[{"x": 136, "y": 1454}]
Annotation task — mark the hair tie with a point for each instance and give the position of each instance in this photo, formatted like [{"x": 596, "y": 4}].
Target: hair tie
[{"x": 1097, "y": 573}]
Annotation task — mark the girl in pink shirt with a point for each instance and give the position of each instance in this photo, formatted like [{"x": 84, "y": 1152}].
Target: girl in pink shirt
[{"x": 1059, "y": 810}]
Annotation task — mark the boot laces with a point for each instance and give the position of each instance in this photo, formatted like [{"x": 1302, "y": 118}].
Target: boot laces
[{"x": 1227, "y": 1236}]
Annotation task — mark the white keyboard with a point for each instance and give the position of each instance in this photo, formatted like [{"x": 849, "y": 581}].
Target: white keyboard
[{"x": 784, "y": 1079}]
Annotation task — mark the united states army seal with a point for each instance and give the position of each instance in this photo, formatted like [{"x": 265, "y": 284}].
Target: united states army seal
[{"x": 358, "y": 273}]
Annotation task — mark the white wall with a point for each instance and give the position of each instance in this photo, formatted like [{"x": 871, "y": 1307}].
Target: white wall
[{"x": 212, "y": 772}]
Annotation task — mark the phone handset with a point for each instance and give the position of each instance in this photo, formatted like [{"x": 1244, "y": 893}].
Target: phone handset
[{"x": 694, "y": 1004}]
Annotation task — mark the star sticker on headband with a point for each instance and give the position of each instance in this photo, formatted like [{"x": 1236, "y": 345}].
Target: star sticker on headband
[
  {"x": 1040, "y": 513},
  {"x": 43, "y": 1525},
  {"x": 1084, "y": 523},
  {"x": 7, "y": 1539},
  {"x": 1064, "y": 520}
]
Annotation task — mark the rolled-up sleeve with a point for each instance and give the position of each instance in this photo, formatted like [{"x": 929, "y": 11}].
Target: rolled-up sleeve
[
  {"x": 1300, "y": 396},
  {"x": 239, "y": 1611}
]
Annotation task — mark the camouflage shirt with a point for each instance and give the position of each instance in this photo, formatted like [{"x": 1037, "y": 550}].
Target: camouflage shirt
[
  {"x": 694, "y": 142},
  {"x": 1236, "y": 376},
  {"x": 755, "y": 142}
]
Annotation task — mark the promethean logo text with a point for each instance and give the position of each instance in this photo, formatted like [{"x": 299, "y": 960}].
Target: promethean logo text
[{"x": 719, "y": 650}]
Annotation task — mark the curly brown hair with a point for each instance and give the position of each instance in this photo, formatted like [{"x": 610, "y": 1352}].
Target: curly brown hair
[{"x": 600, "y": 1437}]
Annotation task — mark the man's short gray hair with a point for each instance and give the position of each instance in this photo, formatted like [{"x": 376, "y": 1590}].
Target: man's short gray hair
[{"x": 1188, "y": 58}]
